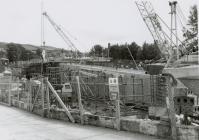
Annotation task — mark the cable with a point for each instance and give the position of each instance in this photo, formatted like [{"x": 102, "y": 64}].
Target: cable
[
  {"x": 183, "y": 26},
  {"x": 182, "y": 14},
  {"x": 132, "y": 57},
  {"x": 172, "y": 32},
  {"x": 66, "y": 31},
  {"x": 179, "y": 19},
  {"x": 61, "y": 33}
]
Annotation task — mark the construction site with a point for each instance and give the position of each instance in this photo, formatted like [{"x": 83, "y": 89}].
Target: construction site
[{"x": 156, "y": 99}]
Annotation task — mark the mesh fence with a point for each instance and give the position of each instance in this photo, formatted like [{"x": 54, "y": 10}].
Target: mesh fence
[{"x": 135, "y": 93}]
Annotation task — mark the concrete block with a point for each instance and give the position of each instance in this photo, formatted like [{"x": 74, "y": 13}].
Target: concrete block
[
  {"x": 55, "y": 114},
  {"x": 163, "y": 129},
  {"x": 91, "y": 120},
  {"x": 107, "y": 122},
  {"x": 130, "y": 125},
  {"x": 149, "y": 128},
  {"x": 38, "y": 112},
  {"x": 187, "y": 133}
]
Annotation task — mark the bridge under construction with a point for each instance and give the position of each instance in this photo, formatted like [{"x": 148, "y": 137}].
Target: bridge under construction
[{"x": 156, "y": 99}]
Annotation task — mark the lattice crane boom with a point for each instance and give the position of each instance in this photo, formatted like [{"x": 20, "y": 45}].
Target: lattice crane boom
[
  {"x": 65, "y": 38},
  {"x": 166, "y": 44},
  {"x": 152, "y": 22}
]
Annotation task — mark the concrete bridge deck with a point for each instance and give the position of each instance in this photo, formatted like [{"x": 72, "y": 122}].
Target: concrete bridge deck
[{"x": 17, "y": 124}]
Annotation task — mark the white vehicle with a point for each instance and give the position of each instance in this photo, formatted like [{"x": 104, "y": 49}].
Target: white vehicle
[{"x": 67, "y": 90}]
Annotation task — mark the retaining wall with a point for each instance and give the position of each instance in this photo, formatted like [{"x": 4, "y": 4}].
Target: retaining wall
[{"x": 131, "y": 123}]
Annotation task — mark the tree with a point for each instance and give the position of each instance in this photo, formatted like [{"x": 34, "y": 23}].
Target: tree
[
  {"x": 124, "y": 51},
  {"x": 114, "y": 51},
  {"x": 39, "y": 52},
  {"x": 96, "y": 51},
  {"x": 150, "y": 51},
  {"x": 2, "y": 53},
  {"x": 134, "y": 49},
  {"x": 105, "y": 52},
  {"x": 191, "y": 34},
  {"x": 26, "y": 54},
  {"x": 139, "y": 55},
  {"x": 15, "y": 52}
]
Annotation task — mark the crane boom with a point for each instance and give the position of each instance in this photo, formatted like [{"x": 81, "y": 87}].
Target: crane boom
[
  {"x": 151, "y": 20},
  {"x": 161, "y": 38},
  {"x": 65, "y": 38}
]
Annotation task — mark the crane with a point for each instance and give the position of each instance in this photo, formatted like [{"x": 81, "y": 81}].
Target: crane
[
  {"x": 153, "y": 22},
  {"x": 62, "y": 34}
]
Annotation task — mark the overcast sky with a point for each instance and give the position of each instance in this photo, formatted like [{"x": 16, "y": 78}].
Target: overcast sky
[{"x": 89, "y": 21}]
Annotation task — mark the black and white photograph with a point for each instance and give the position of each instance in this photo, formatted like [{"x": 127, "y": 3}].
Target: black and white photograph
[{"x": 99, "y": 70}]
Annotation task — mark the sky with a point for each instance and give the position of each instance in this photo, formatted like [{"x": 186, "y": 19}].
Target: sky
[{"x": 89, "y": 22}]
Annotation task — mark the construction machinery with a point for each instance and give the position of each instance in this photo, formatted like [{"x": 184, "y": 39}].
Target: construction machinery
[
  {"x": 172, "y": 50},
  {"x": 63, "y": 35},
  {"x": 169, "y": 48},
  {"x": 67, "y": 90}
]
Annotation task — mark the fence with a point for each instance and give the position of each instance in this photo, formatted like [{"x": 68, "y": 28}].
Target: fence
[
  {"x": 89, "y": 94},
  {"x": 11, "y": 88},
  {"x": 5, "y": 89},
  {"x": 146, "y": 91},
  {"x": 96, "y": 97}
]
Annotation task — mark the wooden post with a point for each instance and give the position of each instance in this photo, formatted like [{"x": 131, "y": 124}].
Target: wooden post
[
  {"x": 30, "y": 95},
  {"x": 18, "y": 98},
  {"x": 118, "y": 106},
  {"x": 170, "y": 106},
  {"x": 9, "y": 91},
  {"x": 42, "y": 95},
  {"x": 80, "y": 100},
  {"x": 48, "y": 96},
  {"x": 118, "y": 112},
  {"x": 142, "y": 85},
  {"x": 61, "y": 102}
]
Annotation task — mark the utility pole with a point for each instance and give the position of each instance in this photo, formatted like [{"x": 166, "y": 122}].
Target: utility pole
[
  {"x": 94, "y": 51},
  {"x": 108, "y": 49},
  {"x": 102, "y": 53}
]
